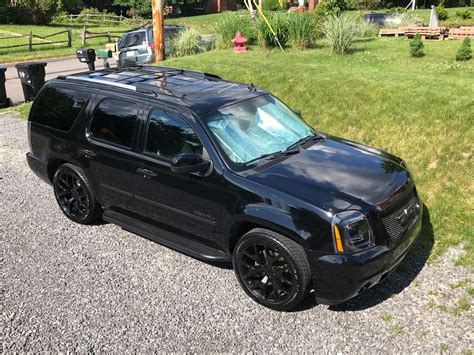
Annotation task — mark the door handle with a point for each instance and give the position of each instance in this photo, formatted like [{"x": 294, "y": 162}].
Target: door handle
[
  {"x": 88, "y": 154},
  {"x": 146, "y": 173}
]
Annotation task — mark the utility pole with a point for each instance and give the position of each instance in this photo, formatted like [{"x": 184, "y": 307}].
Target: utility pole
[{"x": 158, "y": 29}]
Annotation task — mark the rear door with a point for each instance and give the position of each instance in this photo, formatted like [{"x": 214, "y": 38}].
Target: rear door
[{"x": 111, "y": 136}]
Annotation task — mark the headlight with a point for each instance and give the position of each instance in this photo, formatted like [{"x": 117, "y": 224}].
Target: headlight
[{"x": 351, "y": 232}]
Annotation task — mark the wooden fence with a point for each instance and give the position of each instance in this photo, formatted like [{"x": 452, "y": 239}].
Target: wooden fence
[
  {"x": 99, "y": 19},
  {"x": 47, "y": 41},
  {"x": 86, "y": 34}
]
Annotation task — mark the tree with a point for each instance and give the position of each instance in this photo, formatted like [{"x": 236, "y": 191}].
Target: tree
[
  {"x": 464, "y": 52},
  {"x": 416, "y": 47}
]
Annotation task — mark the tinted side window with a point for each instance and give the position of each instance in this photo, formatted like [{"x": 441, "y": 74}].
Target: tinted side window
[
  {"x": 133, "y": 39},
  {"x": 114, "y": 121},
  {"x": 58, "y": 107},
  {"x": 168, "y": 135}
]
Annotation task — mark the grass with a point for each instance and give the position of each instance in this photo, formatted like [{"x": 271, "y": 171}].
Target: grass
[
  {"x": 386, "y": 317},
  {"x": 22, "y": 110},
  {"x": 397, "y": 329},
  {"x": 420, "y": 109}
]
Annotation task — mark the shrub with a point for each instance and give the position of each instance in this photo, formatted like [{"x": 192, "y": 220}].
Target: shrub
[
  {"x": 301, "y": 30},
  {"x": 228, "y": 25},
  {"x": 340, "y": 31},
  {"x": 396, "y": 10},
  {"x": 464, "y": 14},
  {"x": 464, "y": 52},
  {"x": 188, "y": 42},
  {"x": 416, "y": 47},
  {"x": 8, "y": 13},
  {"x": 273, "y": 5},
  {"x": 37, "y": 12},
  {"x": 329, "y": 8},
  {"x": 279, "y": 23},
  {"x": 441, "y": 12}
]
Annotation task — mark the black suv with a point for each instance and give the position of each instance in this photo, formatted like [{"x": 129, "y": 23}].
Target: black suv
[{"x": 225, "y": 172}]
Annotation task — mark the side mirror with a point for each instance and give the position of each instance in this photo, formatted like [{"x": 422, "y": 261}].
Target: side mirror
[
  {"x": 298, "y": 112},
  {"x": 185, "y": 163}
]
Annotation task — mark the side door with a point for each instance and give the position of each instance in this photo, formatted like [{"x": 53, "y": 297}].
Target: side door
[
  {"x": 185, "y": 204},
  {"x": 111, "y": 140}
]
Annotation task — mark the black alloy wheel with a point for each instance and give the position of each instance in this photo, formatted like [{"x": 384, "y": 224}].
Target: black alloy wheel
[
  {"x": 272, "y": 269},
  {"x": 74, "y": 195}
]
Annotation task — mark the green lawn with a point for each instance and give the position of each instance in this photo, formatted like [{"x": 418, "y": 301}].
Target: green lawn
[{"x": 419, "y": 109}]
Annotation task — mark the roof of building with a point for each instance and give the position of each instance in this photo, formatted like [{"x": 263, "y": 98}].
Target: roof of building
[{"x": 201, "y": 92}]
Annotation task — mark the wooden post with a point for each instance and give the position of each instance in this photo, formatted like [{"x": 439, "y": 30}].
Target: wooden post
[
  {"x": 69, "y": 37},
  {"x": 158, "y": 29},
  {"x": 84, "y": 36},
  {"x": 108, "y": 35},
  {"x": 30, "y": 41},
  {"x": 260, "y": 5}
]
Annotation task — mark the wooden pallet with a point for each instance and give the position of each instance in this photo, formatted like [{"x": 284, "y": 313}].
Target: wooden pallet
[
  {"x": 461, "y": 32},
  {"x": 425, "y": 32},
  {"x": 392, "y": 32}
]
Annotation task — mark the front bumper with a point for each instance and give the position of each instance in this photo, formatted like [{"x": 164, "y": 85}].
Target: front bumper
[{"x": 340, "y": 277}]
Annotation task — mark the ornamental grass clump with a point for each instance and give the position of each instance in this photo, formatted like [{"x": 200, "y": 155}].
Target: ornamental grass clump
[
  {"x": 464, "y": 52},
  {"x": 188, "y": 42},
  {"x": 340, "y": 32},
  {"x": 302, "y": 30},
  {"x": 417, "y": 47}
]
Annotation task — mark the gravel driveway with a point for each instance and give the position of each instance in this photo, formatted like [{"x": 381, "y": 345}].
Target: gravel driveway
[{"x": 68, "y": 287}]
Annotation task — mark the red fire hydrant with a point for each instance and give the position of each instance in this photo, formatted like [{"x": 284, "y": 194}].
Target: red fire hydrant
[{"x": 239, "y": 43}]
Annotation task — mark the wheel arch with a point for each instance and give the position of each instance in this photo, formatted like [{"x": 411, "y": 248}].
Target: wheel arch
[{"x": 266, "y": 217}]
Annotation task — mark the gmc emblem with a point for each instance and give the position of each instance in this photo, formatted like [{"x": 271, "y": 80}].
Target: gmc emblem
[{"x": 406, "y": 215}]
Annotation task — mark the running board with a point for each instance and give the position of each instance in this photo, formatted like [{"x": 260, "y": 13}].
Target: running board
[{"x": 168, "y": 239}]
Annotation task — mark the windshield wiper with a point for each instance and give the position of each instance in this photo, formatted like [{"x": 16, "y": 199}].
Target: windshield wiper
[
  {"x": 304, "y": 140},
  {"x": 275, "y": 155}
]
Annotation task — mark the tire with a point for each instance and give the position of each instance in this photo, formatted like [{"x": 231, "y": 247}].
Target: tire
[
  {"x": 74, "y": 194},
  {"x": 272, "y": 269}
]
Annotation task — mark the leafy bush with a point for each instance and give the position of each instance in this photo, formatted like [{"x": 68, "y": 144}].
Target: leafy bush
[
  {"x": 8, "y": 13},
  {"x": 329, "y": 8},
  {"x": 279, "y": 23},
  {"x": 464, "y": 52},
  {"x": 273, "y": 5},
  {"x": 301, "y": 30},
  {"x": 228, "y": 25},
  {"x": 188, "y": 42},
  {"x": 341, "y": 31},
  {"x": 464, "y": 14},
  {"x": 417, "y": 47},
  {"x": 441, "y": 12},
  {"x": 396, "y": 10},
  {"x": 37, "y": 12}
]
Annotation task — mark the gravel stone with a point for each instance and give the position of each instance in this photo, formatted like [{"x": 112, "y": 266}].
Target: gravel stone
[{"x": 69, "y": 287}]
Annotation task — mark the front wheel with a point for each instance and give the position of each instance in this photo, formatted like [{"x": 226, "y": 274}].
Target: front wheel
[
  {"x": 74, "y": 194},
  {"x": 272, "y": 269}
]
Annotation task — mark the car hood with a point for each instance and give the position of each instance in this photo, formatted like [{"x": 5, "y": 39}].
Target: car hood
[{"x": 336, "y": 174}]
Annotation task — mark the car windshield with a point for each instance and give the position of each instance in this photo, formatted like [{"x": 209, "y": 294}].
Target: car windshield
[{"x": 256, "y": 128}]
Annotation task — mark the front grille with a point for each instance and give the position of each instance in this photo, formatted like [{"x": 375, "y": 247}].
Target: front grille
[{"x": 398, "y": 222}]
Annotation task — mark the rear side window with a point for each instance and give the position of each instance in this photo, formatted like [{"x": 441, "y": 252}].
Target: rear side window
[
  {"x": 114, "y": 121},
  {"x": 58, "y": 108},
  {"x": 133, "y": 39}
]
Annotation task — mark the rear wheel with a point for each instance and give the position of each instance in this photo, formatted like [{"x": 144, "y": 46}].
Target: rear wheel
[
  {"x": 272, "y": 269},
  {"x": 74, "y": 194}
]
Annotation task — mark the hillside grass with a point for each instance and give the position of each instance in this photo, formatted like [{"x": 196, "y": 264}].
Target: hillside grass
[{"x": 419, "y": 109}]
